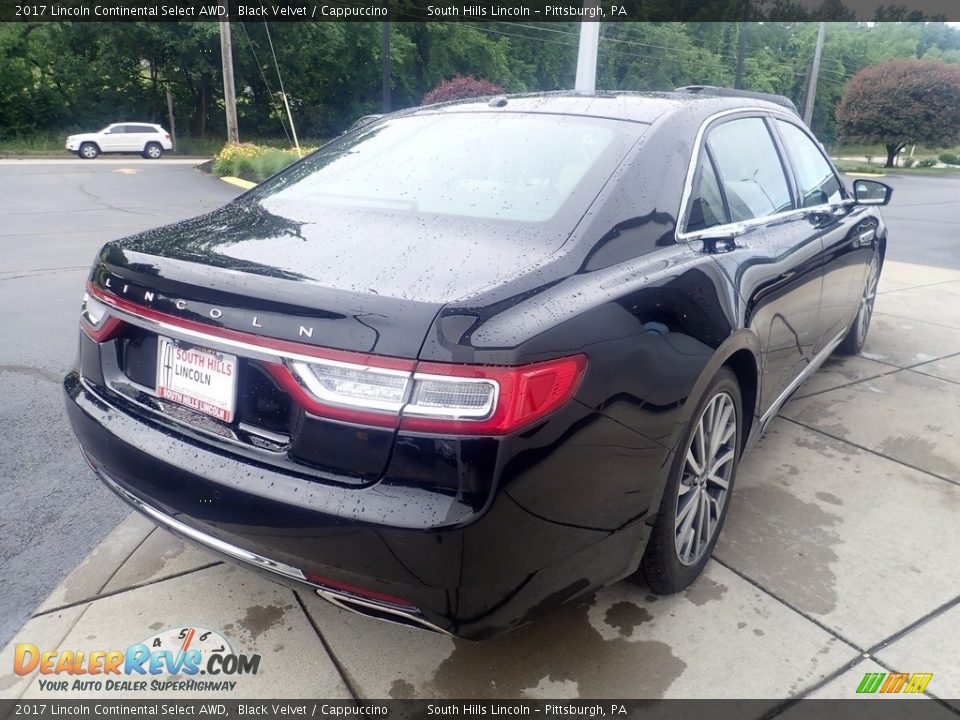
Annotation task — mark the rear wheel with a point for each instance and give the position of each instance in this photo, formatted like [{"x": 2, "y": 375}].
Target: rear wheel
[
  {"x": 152, "y": 151},
  {"x": 698, "y": 491},
  {"x": 88, "y": 151},
  {"x": 855, "y": 338}
]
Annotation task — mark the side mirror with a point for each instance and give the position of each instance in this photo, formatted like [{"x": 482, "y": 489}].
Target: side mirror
[{"x": 871, "y": 192}]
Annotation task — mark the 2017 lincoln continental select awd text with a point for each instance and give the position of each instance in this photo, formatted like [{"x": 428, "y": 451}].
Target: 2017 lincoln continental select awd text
[{"x": 472, "y": 360}]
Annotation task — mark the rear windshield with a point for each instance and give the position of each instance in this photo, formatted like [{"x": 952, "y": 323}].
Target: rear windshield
[{"x": 521, "y": 168}]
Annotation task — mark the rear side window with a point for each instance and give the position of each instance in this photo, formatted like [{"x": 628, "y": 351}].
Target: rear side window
[
  {"x": 141, "y": 129},
  {"x": 706, "y": 201},
  {"x": 818, "y": 183},
  {"x": 750, "y": 169}
]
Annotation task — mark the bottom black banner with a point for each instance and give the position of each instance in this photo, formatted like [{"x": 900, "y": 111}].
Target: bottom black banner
[{"x": 872, "y": 708}]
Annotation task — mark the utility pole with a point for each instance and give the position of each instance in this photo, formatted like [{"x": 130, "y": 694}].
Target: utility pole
[
  {"x": 586, "y": 83},
  {"x": 741, "y": 51},
  {"x": 385, "y": 61},
  {"x": 173, "y": 122},
  {"x": 814, "y": 72},
  {"x": 229, "y": 91}
]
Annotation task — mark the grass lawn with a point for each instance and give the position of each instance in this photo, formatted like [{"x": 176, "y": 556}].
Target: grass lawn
[
  {"x": 866, "y": 157},
  {"x": 854, "y": 166}
]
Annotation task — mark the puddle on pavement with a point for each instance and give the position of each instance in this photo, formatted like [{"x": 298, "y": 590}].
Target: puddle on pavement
[{"x": 560, "y": 650}]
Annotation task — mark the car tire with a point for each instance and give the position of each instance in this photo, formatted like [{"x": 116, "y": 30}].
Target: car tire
[
  {"x": 153, "y": 151},
  {"x": 677, "y": 551},
  {"x": 88, "y": 151},
  {"x": 856, "y": 337}
]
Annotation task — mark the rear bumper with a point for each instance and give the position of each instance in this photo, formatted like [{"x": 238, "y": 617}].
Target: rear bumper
[{"x": 471, "y": 574}]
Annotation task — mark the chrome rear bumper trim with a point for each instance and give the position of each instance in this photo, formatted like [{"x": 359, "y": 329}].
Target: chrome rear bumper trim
[
  {"x": 198, "y": 536},
  {"x": 344, "y": 601}
]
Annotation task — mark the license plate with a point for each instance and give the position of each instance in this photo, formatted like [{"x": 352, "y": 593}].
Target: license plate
[{"x": 201, "y": 379}]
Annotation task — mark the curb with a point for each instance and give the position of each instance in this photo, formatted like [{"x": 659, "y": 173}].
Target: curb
[
  {"x": 865, "y": 174},
  {"x": 239, "y": 182}
]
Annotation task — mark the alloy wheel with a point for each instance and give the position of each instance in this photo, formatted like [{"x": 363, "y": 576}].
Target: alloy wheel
[
  {"x": 153, "y": 151},
  {"x": 704, "y": 484},
  {"x": 866, "y": 302}
]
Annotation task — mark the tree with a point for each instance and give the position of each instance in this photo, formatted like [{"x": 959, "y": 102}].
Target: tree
[
  {"x": 461, "y": 88},
  {"x": 901, "y": 102}
]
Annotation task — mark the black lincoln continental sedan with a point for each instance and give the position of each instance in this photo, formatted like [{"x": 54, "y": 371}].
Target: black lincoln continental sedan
[{"x": 472, "y": 360}]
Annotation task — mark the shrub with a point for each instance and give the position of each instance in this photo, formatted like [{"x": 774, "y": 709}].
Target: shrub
[
  {"x": 907, "y": 162},
  {"x": 949, "y": 158},
  {"x": 927, "y": 162},
  {"x": 253, "y": 162},
  {"x": 459, "y": 88},
  {"x": 273, "y": 161}
]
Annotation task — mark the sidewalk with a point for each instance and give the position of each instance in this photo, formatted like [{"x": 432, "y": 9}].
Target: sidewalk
[{"x": 839, "y": 557}]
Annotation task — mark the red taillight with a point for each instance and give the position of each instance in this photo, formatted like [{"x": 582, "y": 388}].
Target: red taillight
[
  {"x": 342, "y": 411},
  {"x": 96, "y": 321},
  {"x": 523, "y": 395},
  {"x": 107, "y": 330},
  {"x": 381, "y": 391},
  {"x": 438, "y": 398}
]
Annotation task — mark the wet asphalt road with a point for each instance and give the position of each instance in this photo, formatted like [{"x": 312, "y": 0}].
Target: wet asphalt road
[
  {"x": 924, "y": 219},
  {"x": 54, "y": 215}
]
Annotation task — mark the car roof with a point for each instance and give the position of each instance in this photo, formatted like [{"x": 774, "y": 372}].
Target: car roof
[{"x": 641, "y": 107}]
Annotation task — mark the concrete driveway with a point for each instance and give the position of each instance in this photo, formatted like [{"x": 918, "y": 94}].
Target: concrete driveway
[{"x": 839, "y": 558}]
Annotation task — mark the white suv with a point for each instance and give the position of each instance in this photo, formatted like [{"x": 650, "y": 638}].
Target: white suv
[{"x": 148, "y": 140}]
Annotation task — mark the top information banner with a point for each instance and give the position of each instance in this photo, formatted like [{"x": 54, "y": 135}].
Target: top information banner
[{"x": 477, "y": 10}]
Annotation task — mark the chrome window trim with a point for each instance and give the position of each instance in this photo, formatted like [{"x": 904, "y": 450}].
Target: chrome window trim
[
  {"x": 732, "y": 229},
  {"x": 823, "y": 153}
]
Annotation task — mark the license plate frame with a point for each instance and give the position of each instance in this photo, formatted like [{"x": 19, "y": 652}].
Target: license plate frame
[{"x": 198, "y": 378}]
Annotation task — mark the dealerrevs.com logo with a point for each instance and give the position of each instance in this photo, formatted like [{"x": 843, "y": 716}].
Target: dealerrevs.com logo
[{"x": 188, "y": 659}]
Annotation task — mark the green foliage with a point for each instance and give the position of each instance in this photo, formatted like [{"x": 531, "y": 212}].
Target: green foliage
[
  {"x": 57, "y": 77},
  {"x": 854, "y": 166},
  {"x": 908, "y": 162},
  {"x": 949, "y": 158},
  {"x": 925, "y": 163},
  {"x": 901, "y": 102},
  {"x": 253, "y": 162}
]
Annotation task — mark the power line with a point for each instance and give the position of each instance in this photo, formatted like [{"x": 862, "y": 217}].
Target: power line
[
  {"x": 636, "y": 43},
  {"x": 794, "y": 70},
  {"x": 263, "y": 75},
  {"x": 283, "y": 93}
]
